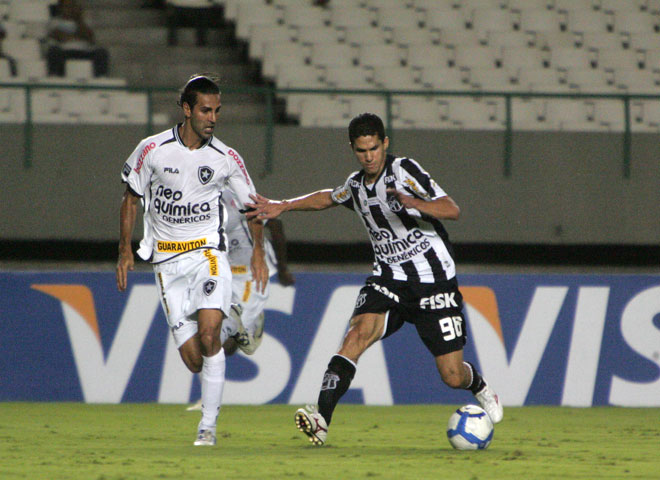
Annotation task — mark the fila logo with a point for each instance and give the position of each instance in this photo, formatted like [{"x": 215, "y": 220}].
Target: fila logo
[{"x": 171, "y": 170}]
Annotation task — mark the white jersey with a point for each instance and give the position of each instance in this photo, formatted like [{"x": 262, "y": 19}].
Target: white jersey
[
  {"x": 181, "y": 191},
  {"x": 407, "y": 244},
  {"x": 239, "y": 239}
]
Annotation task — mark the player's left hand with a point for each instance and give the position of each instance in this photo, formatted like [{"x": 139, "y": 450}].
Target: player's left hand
[
  {"x": 259, "y": 269},
  {"x": 408, "y": 201}
]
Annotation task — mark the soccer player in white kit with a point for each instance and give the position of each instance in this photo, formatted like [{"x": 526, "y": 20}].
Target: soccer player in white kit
[{"x": 179, "y": 176}]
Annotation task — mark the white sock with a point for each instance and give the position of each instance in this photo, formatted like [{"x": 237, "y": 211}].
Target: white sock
[{"x": 213, "y": 382}]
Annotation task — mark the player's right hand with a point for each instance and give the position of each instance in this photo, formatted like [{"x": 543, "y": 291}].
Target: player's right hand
[
  {"x": 264, "y": 208},
  {"x": 125, "y": 263}
]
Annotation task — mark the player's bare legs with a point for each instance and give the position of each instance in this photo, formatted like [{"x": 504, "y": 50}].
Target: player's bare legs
[
  {"x": 459, "y": 374},
  {"x": 203, "y": 352},
  {"x": 364, "y": 331}
]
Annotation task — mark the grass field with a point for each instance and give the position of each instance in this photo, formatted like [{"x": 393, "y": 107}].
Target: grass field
[{"x": 135, "y": 441}]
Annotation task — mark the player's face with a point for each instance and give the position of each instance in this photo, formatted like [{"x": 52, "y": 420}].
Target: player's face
[
  {"x": 370, "y": 152},
  {"x": 204, "y": 114}
]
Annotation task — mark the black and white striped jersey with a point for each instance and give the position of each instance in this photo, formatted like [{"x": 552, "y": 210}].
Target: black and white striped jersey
[{"x": 407, "y": 244}]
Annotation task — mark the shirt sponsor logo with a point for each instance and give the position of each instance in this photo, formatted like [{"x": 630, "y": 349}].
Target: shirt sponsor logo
[
  {"x": 395, "y": 250},
  {"x": 340, "y": 194},
  {"x": 438, "y": 301},
  {"x": 171, "y": 170},
  {"x": 413, "y": 186},
  {"x": 179, "y": 247},
  {"x": 165, "y": 203},
  {"x": 205, "y": 174},
  {"x": 389, "y": 179},
  {"x": 238, "y": 161},
  {"x": 213, "y": 263},
  {"x": 140, "y": 161},
  {"x": 239, "y": 269},
  {"x": 385, "y": 291}
]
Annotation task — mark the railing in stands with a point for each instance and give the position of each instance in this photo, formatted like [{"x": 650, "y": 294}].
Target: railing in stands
[{"x": 270, "y": 93}]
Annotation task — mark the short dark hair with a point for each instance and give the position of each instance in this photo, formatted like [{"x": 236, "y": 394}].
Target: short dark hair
[
  {"x": 199, "y": 83},
  {"x": 366, "y": 124}
]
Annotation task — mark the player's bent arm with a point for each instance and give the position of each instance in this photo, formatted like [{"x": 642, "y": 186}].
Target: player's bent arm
[
  {"x": 127, "y": 215},
  {"x": 443, "y": 208}
]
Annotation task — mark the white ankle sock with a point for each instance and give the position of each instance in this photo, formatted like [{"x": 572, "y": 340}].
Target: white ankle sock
[{"x": 213, "y": 382}]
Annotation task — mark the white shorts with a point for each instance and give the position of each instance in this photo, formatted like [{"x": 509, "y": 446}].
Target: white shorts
[
  {"x": 195, "y": 280},
  {"x": 245, "y": 292}
]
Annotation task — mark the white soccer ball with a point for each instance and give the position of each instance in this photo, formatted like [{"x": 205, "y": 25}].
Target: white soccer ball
[{"x": 470, "y": 428}]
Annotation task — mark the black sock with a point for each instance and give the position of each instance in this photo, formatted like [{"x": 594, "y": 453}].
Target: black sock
[
  {"x": 477, "y": 380},
  {"x": 336, "y": 381}
]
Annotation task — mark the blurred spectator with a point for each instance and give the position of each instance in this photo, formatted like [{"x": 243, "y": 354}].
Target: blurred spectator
[
  {"x": 12, "y": 62},
  {"x": 70, "y": 37},
  {"x": 200, "y": 14}
]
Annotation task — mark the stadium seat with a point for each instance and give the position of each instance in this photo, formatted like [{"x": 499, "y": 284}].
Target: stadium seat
[
  {"x": 477, "y": 57},
  {"x": 523, "y": 57},
  {"x": 569, "y": 114},
  {"x": 586, "y": 21},
  {"x": 12, "y": 105},
  {"x": 652, "y": 59},
  {"x": 47, "y": 106},
  {"x": 598, "y": 40},
  {"x": 441, "y": 19},
  {"x": 379, "y": 4},
  {"x": 591, "y": 81},
  {"x": 619, "y": 59},
  {"x": 29, "y": 12},
  {"x": 307, "y": 16},
  {"x": 414, "y": 37},
  {"x": 536, "y": 21},
  {"x": 618, "y": 5},
  {"x": 443, "y": 78},
  {"x": 436, "y": 56},
  {"x": 644, "y": 41},
  {"x": 530, "y": 114},
  {"x": 276, "y": 54},
  {"x": 249, "y": 15},
  {"x": 344, "y": 17},
  {"x": 645, "y": 115},
  {"x": 332, "y": 55},
  {"x": 357, "y": 36},
  {"x": 23, "y": 48},
  {"x": 231, "y": 7},
  {"x": 33, "y": 70},
  {"x": 423, "y": 5},
  {"x": 380, "y": 56},
  {"x": 311, "y": 35},
  {"x": 261, "y": 35},
  {"x": 626, "y": 21},
  {"x": 358, "y": 104},
  {"x": 456, "y": 38},
  {"x": 493, "y": 80},
  {"x": 5, "y": 70},
  {"x": 397, "y": 78},
  {"x": 637, "y": 81},
  {"x": 551, "y": 40},
  {"x": 128, "y": 107},
  {"x": 397, "y": 17},
  {"x": 546, "y": 80},
  {"x": 79, "y": 70},
  {"x": 475, "y": 113},
  {"x": 324, "y": 111},
  {"x": 511, "y": 39},
  {"x": 348, "y": 78},
  {"x": 568, "y": 58},
  {"x": 608, "y": 114},
  {"x": 567, "y": 5},
  {"x": 521, "y": 5},
  {"x": 417, "y": 112},
  {"x": 485, "y": 21}
]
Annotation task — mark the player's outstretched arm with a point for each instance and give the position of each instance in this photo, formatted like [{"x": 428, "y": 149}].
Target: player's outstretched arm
[
  {"x": 267, "y": 208},
  {"x": 258, "y": 265},
  {"x": 443, "y": 208},
  {"x": 126, "y": 261}
]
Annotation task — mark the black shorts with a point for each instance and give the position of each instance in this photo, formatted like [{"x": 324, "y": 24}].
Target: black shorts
[{"x": 436, "y": 310}]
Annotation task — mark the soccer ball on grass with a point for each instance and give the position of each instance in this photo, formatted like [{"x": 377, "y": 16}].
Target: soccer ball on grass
[{"x": 470, "y": 428}]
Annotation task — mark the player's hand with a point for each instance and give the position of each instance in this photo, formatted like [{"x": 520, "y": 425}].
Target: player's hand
[
  {"x": 408, "y": 201},
  {"x": 259, "y": 269},
  {"x": 285, "y": 277},
  {"x": 264, "y": 207},
  {"x": 125, "y": 263}
]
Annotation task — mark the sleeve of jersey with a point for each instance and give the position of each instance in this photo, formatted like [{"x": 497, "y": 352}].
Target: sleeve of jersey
[
  {"x": 136, "y": 171},
  {"x": 418, "y": 182},
  {"x": 239, "y": 180},
  {"x": 342, "y": 196}
]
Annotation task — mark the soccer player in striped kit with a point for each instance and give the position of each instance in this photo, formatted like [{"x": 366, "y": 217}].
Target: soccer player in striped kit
[{"x": 414, "y": 275}]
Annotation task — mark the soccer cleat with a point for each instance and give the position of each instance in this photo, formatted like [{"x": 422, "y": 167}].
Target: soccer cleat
[
  {"x": 205, "y": 438},
  {"x": 310, "y": 422},
  {"x": 197, "y": 406},
  {"x": 491, "y": 403},
  {"x": 244, "y": 339}
]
